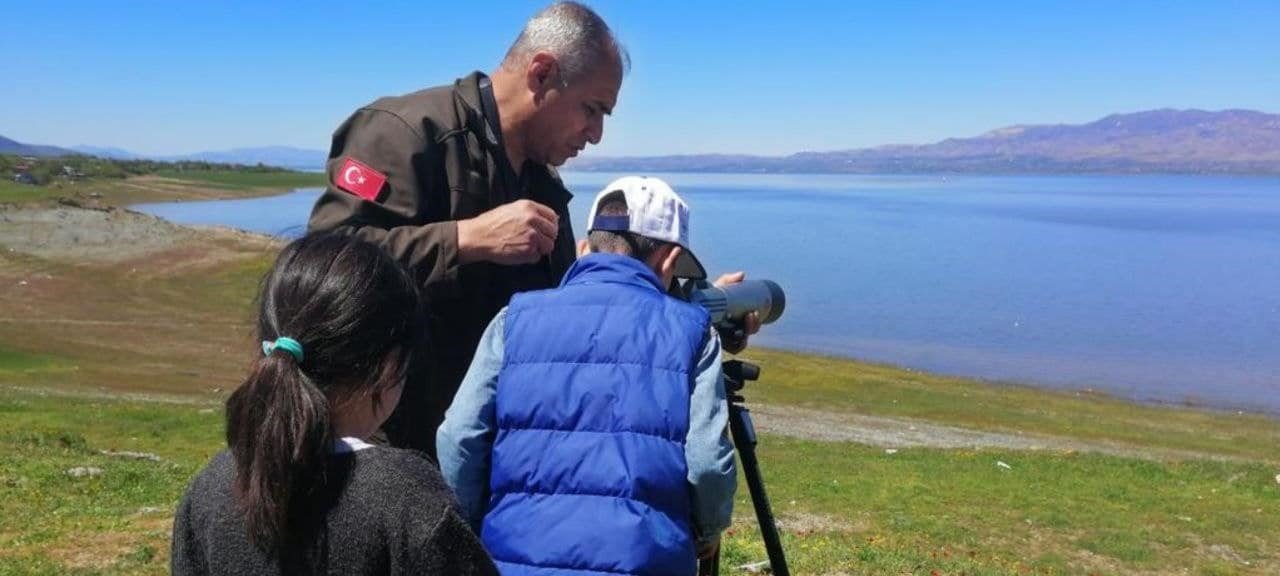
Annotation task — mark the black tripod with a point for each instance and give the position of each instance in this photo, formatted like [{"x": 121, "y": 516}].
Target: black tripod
[{"x": 736, "y": 375}]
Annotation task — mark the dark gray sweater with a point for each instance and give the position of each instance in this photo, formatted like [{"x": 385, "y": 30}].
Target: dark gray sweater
[{"x": 388, "y": 512}]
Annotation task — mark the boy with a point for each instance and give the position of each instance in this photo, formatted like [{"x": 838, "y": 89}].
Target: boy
[{"x": 589, "y": 433}]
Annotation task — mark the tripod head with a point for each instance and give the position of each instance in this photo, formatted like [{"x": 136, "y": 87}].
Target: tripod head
[{"x": 736, "y": 375}]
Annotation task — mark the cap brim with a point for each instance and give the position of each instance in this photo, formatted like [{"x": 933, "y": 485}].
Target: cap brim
[{"x": 688, "y": 266}]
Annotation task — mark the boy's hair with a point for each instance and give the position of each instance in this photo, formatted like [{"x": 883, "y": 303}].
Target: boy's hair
[
  {"x": 356, "y": 314},
  {"x": 627, "y": 243}
]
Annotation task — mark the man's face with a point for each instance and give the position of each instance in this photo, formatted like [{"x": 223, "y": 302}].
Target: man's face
[{"x": 571, "y": 117}]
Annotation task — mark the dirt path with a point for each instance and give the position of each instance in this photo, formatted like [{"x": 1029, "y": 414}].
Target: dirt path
[{"x": 899, "y": 433}]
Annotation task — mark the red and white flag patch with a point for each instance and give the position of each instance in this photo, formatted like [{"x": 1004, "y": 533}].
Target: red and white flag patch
[{"x": 359, "y": 179}]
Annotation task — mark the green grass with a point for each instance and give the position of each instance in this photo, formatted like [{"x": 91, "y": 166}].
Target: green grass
[
  {"x": 958, "y": 511},
  {"x": 21, "y": 367},
  {"x": 15, "y": 362},
  {"x": 116, "y": 523},
  {"x": 846, "y": 508},
  {"x": 12, "y": 192},
  {"x": 237, "y": 180}
]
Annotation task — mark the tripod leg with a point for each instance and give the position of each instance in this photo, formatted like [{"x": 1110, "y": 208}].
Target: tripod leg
[
  {"x": 744, "y": 439},
  {"x": 710, "y": 566}
]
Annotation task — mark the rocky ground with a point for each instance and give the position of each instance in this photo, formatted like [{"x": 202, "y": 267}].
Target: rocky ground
[{"x": 94, "y": 233}]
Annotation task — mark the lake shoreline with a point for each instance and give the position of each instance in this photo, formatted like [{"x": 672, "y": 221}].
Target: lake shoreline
[
  {"x": 101, "y": 220},
  {"x": 958, "y": 312}
]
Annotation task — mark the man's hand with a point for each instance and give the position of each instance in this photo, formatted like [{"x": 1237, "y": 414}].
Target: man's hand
[
  {"x": 517, "y": 233},
  {"x": 737, "y": 342}
]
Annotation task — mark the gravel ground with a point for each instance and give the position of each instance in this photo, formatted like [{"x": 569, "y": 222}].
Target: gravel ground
[
  {"x": 900, "y": 433},
  {"x": 67, "y": 232},
  {"x": 88, "y": 233}
]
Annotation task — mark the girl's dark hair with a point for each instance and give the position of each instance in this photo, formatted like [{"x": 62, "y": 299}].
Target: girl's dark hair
[{"x": 355, "y": 311}]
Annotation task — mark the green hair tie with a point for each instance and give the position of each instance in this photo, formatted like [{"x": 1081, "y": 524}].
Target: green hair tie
[{"x": 284, "y": 343}]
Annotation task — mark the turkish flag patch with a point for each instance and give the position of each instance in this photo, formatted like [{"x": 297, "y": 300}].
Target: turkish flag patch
[{"x": 359, "y": 179}]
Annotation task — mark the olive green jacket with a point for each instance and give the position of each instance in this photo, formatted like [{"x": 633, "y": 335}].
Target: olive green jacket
[{"x": 441, "y": 153}]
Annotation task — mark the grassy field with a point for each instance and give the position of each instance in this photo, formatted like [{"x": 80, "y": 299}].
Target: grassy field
[
  {"x": 858, "y": 509},
  {"x": 99, "y": 358},
  {"x": 844, "y": 508},
  {"x": 117, "y": 522},
  {"x": 12, "y": 192}
]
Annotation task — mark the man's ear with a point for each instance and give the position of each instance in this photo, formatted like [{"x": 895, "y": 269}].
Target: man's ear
[
  {"x": 542, "y": 74},
  {"x": 584, "y": 247}
]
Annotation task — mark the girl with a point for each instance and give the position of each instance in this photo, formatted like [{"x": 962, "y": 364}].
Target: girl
[{"x": 298, "y": 490}]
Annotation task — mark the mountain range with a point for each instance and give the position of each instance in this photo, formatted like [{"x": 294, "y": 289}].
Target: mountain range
[
  {"x": 283, "y": 156},
  {"x": 1155, "y": 141},
  {"x": 8, "y": 146},
  {"x": 1160, "y": 141}
]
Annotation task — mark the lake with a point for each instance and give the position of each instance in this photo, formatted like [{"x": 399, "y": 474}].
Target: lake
[{"x": 1157, "y": 288}]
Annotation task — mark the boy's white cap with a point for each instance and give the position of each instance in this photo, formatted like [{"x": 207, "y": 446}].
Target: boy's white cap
[{"x": 653, "y": 211}]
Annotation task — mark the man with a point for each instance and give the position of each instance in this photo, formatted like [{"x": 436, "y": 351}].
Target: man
[
  {"x": 457, "y": 183},
  {"x": 589, "y": 433}
]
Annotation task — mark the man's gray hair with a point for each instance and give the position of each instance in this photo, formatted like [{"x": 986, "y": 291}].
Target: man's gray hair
[{"x": 575, "y": 35}]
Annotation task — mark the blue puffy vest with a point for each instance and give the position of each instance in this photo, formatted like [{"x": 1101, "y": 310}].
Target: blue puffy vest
[{"x": 588, "y": 473}]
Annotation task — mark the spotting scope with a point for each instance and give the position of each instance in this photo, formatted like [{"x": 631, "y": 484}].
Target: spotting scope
[{"x": 733, "y": 302}]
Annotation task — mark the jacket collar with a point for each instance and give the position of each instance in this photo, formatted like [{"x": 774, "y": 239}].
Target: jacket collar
[
  {"x": 469, "y": 96},
  {"x": 611, "y": 269},
  {"x": 467, "y": 90}
]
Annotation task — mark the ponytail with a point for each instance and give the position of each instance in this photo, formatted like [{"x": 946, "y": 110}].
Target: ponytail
[
  {"x": 278, "y": 431},
  {"x": 350, "y": 308}
]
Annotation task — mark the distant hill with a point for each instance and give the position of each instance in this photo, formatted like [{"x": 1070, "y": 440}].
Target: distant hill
[
  {"x": 105, "y": 152},
  {"x": 8, "y": 146},
  {"x": 280, "y": 156},
  {"x": 1160, "y": 141},
  {"x": 283, "y": 156}
]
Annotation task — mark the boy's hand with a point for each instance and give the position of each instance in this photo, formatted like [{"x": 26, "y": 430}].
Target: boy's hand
[{"x": 737, "y": 341}]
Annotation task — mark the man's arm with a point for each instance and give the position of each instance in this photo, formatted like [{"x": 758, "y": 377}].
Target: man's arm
[
  {"x": 465, "y": 441},
  {"x": 394, "y": 215},
  {"x": 708, "y": 451}
]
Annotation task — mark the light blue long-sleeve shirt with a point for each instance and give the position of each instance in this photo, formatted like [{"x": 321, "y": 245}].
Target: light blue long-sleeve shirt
[{"x": 465, "y": 441}]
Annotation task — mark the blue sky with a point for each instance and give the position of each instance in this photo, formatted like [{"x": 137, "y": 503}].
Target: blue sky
[{"x": 750, "y": 77}]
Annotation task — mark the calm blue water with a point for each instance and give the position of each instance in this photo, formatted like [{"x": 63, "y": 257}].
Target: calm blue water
[{"x": 1161, "y": 288}]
